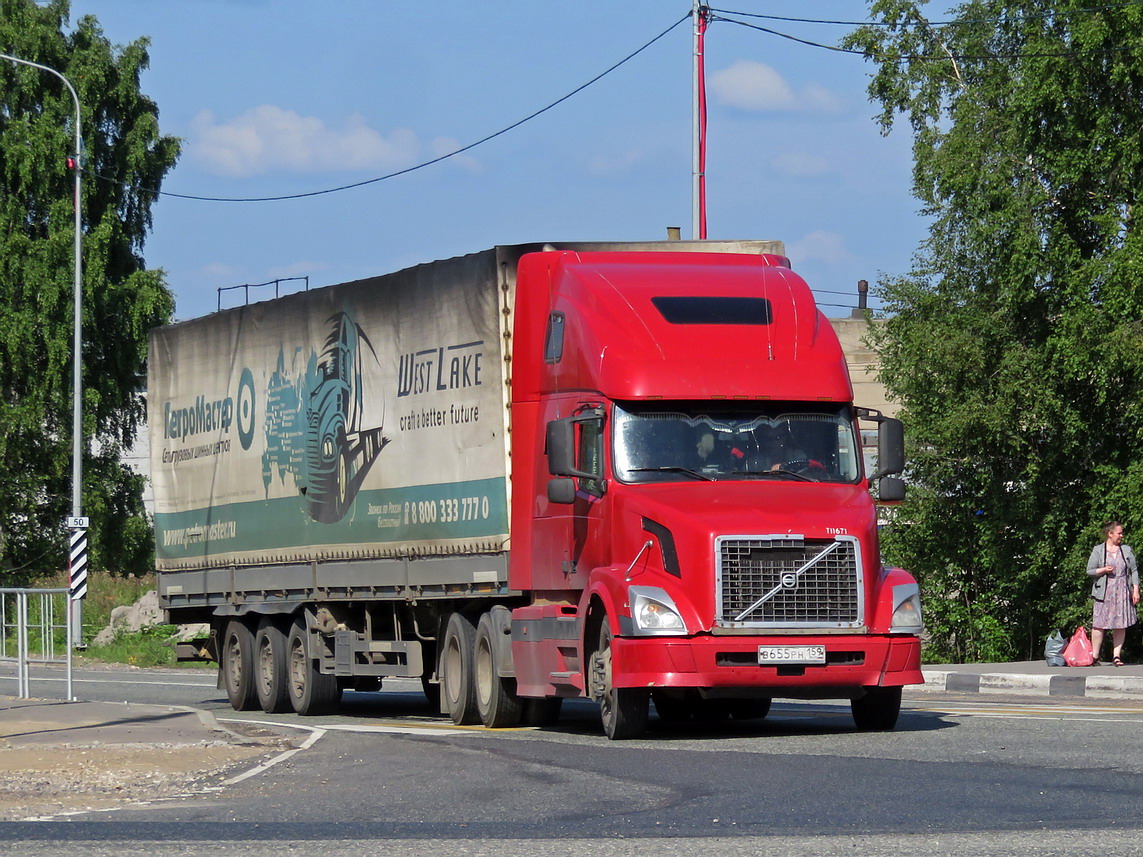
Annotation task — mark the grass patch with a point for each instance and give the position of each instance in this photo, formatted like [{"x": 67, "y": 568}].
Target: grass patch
[{"x": 149, "y": 647}]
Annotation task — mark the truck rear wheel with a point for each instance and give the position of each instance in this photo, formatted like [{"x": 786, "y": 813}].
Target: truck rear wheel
[
  {"x": 270, "y": 673},
  {"x": 877, "y": 710},
  {"x": 310, "y": 691},
  {"x": 458, "y": 690},
  {"x": 622, "y": 709},
  {"x": 237, "y": 666},
  {"x": 496, "y": 700}
]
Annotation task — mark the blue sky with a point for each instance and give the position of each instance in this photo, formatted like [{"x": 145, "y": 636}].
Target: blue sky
[{"x": 277, "y": 97}]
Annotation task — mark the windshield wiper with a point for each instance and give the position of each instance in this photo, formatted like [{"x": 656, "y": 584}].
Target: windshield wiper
[
  {"x": 672, "y": 469},
  {"x": 778, "y": 472}
]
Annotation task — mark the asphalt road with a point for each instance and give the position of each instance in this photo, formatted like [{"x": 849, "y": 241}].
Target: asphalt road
[{"x": 960, "y": 775}]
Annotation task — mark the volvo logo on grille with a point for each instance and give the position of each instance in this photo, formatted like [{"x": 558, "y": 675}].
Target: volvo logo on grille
[{"x": 789, "y": 580}]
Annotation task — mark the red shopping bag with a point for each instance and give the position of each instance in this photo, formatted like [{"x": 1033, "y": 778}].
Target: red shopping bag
[{"x": 1078, "y": 652}]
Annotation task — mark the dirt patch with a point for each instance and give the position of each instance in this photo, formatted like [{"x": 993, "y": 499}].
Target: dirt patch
[{"x": 39, "y": 781}]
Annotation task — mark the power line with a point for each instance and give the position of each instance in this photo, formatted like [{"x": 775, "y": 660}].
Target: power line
[
  {"x": 943, "y": 57},
  {"x": 424, "y": 164},
  {"x": 1047, "y": 14}
]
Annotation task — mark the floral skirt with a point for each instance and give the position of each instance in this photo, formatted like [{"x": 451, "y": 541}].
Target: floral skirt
[{"x": 1116, "y": 609}]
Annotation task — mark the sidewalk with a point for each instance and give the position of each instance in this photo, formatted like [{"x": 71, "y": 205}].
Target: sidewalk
[
  {"x": 59, "y": 757},
  {"x": 1035, "y": 678},
  {"x": 53, "y": 722}
]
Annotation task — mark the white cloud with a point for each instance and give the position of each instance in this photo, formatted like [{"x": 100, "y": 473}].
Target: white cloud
[
  {"x": 447, "y": 145},
  {"x": 269, "y": 138},
  {"x": 750, "y": 85},
  {"x": 820, "y": 246}
]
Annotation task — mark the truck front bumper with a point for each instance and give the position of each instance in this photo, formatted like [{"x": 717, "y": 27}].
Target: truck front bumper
[{"x": 732, "y": 662}]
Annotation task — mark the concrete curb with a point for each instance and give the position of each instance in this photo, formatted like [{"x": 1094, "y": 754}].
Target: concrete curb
[{"x": 1091, "y": 686}]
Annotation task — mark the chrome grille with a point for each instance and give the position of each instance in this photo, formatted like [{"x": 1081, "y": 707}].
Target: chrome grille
[{"x": 789, "y": 582}]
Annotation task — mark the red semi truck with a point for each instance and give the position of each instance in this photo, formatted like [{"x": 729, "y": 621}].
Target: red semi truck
[{"x": 630, "y": 472}]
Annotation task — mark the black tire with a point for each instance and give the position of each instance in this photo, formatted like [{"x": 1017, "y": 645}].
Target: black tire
[
  {"x": 458, "y": 690},
  {"x": 749, "y": 709},
  {"x": 623, "y": 709},
  {"x": 710, "y": 711},
  {"x": 877, "y": 710},
  {"x": 672, "y": 706},
  {"x": 541, "y": 712},
  {"x": 271, "y": 677},
  {"x": 311, "y": 692},
  {"x": 237, "y": 666},
  {"x": 496, "y": 701}
]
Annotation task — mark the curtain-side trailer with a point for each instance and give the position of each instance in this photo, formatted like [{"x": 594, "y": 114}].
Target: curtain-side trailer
[{"x": 630, "y": 472}]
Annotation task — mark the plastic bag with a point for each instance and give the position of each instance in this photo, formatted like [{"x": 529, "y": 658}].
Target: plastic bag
[
  {"x": 1054, "y": 650},
  {"x": 1078, "y": 652}
]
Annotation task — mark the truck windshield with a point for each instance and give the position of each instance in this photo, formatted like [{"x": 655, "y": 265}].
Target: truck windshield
[{"x": 697, "y": 441}]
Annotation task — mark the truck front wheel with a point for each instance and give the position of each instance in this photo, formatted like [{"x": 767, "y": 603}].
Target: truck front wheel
[
  {"x": 878, "y": 709},
  {"x": 237, "y": 666},
  {"x": 310, "y": 690},
  {"x": 622, "y": 709}
]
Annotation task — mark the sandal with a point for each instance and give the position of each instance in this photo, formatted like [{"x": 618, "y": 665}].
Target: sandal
[
  {"x": 1117, "y": 662},
  {"x": 1096, "y": 663}
]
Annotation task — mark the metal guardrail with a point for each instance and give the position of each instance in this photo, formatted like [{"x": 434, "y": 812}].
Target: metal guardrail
[{"x": 35, "y": 623}]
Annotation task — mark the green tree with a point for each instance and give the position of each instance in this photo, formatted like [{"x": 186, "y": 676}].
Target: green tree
[
  {"x": 125, "y": 158},
  {"x": 1014, "y": 346}
]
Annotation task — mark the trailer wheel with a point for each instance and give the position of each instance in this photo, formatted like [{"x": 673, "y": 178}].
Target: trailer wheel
[
  {"x": 310, "y": 691},
  {"x": 878, "y": 709},
  {"x": 456, "y": 668},
  {"x": 238, "y": 666},
  {"x": 622, "y": 709},
  {"x": 270, "y": 673},
  {"x": 496, "y": 700}
]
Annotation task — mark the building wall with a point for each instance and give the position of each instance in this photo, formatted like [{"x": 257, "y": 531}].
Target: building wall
[{"x": 863, "y": 362}]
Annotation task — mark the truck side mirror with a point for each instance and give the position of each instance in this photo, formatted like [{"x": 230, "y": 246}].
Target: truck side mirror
[
  {"x": 890, "y": 489},
  {"x": 561, "y": 490},
  {"x": 890, "y": 448},
  {"x": 561, "y": 448}
]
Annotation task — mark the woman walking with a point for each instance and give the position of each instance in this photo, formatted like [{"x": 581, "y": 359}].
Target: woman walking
[{"x": 1115, "y": 590}]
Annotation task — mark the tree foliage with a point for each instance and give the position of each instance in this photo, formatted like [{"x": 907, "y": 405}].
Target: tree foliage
[
  {"x": 1014, "y": 346},
  {"x": 124, "y": 159}
]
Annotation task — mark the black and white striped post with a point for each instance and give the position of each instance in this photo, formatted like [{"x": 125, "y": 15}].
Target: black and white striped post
[{"x": 77, "y": 574}]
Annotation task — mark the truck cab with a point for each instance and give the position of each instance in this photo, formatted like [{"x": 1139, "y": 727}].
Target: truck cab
[{"x": 698, "y": 530}]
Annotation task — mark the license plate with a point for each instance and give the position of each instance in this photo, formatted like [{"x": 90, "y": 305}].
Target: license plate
[{"x": 768, "y": 655}]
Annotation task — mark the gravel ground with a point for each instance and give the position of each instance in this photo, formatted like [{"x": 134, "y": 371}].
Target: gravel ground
[{"x": 43, "y": 781}]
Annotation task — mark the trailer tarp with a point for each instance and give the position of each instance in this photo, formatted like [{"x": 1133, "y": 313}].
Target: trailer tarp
[{"x": 362, "y": 420}]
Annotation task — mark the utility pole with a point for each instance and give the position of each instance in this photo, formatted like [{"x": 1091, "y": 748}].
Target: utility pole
[
  {"x": 76, "y": 523},
  {"x": 700, "y": 17}
]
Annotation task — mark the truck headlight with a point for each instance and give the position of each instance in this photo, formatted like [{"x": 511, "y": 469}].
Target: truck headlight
[
  {"x": 906, "y": 610},
  {"x": 654, "y": 613}
]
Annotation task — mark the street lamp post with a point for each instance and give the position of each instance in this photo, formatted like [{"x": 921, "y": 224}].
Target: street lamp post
[{"x": 76, "y": 524}]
